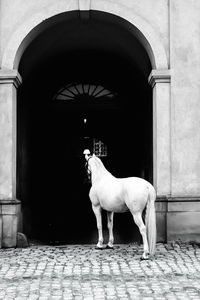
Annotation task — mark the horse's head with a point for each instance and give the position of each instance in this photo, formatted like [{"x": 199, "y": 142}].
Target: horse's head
[
  {"x": 88, "y": 156},
  {"x": 94, "y": 165},
  {"x": 86, "y": 152}
]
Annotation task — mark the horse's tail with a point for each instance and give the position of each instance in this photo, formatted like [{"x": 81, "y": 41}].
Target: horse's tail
[{"x": 150, "y": 221}]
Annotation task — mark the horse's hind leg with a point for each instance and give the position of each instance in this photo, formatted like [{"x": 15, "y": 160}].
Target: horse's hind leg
[
  {"x": 97, "y": 212},
  {"x": 139, "y": 222},
  {"x": 110, "y": 229}
]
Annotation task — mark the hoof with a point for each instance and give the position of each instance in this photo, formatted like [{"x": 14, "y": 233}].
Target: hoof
[
  {"x": 145, "y": 256},
  {"x": 99, "y": 248},
  {"x": 109, "y": 247}
]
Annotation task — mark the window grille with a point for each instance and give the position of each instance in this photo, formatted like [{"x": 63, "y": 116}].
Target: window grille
[
  {"x": 75, "y": 91},
  {"x": 99, "y": 148}
]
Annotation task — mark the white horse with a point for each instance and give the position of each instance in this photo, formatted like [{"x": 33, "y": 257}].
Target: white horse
[{"x": 118, "y": 195}]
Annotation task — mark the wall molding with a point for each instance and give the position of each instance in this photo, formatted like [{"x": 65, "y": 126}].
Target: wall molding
[
  {"x": 177, "y": 204},
  {"x": 10, "y": 77},
  {"x": 159, "y": 76},
  {"x": 184, "y": 199},
  {"x": 162, "y": 198}
]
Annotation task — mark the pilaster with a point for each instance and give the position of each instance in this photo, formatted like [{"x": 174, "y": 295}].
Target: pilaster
[
  {"x": 160, "y": 82},
  {"x": 9, "y": 206}
]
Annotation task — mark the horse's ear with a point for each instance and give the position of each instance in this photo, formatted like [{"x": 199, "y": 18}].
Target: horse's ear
[{"x": 93, "y": 154}]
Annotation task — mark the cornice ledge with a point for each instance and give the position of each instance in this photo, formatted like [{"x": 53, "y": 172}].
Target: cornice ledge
[
  {"x": 159, "y": 76},
  {"x": 10, "y": 76}
]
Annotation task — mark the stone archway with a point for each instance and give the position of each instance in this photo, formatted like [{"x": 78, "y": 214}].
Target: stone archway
[
  {"x": 159, "y": 79},
  {"x": 23, "y": 35}
]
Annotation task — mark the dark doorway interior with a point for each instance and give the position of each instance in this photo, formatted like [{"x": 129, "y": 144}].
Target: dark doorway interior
[{"x": 52, "y": 135}]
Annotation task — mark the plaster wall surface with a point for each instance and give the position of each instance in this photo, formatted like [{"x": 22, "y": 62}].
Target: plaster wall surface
[
  {"x": 185, "y": 97},
  {"x": 13, "y": 14},
  {"x": 154, "y": 12}
]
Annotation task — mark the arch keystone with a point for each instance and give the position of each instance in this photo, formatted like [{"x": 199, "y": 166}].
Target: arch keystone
[{"x": 84, "y": 4}]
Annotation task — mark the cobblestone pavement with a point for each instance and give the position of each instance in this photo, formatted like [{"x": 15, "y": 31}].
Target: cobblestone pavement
[{"x": 82, "y": 272}]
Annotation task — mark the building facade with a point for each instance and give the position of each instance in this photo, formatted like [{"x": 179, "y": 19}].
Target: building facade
[{"x": 125, "y": 72}]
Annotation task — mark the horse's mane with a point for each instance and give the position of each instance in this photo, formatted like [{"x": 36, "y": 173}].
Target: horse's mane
[{"x": 99, "y": 162}]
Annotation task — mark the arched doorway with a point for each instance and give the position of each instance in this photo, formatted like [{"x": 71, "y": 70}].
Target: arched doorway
[{"x": 52, "y": 133}]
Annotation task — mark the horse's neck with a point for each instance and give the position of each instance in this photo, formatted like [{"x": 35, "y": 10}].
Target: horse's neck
[{"x": 97, "y": 174}]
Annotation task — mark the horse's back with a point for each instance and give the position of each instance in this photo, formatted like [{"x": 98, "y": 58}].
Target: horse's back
[
  {"x": 108, "y": 192},
  {"x": 121, "y": 194},
  {"x": 137, "y": 183}
]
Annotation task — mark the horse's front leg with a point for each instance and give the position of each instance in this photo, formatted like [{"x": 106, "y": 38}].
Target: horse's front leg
[
  {"x": 97, "y": 212},
  {"x": 110, "y": 216}
]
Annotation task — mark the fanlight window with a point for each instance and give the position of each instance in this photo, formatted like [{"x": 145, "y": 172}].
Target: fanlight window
[
  {"x": 99, "y": 148},
  {"x": 74, "y": 91}
]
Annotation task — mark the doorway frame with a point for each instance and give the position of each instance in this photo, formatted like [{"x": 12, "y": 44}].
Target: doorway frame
[{"x": 10, "y": 79}]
